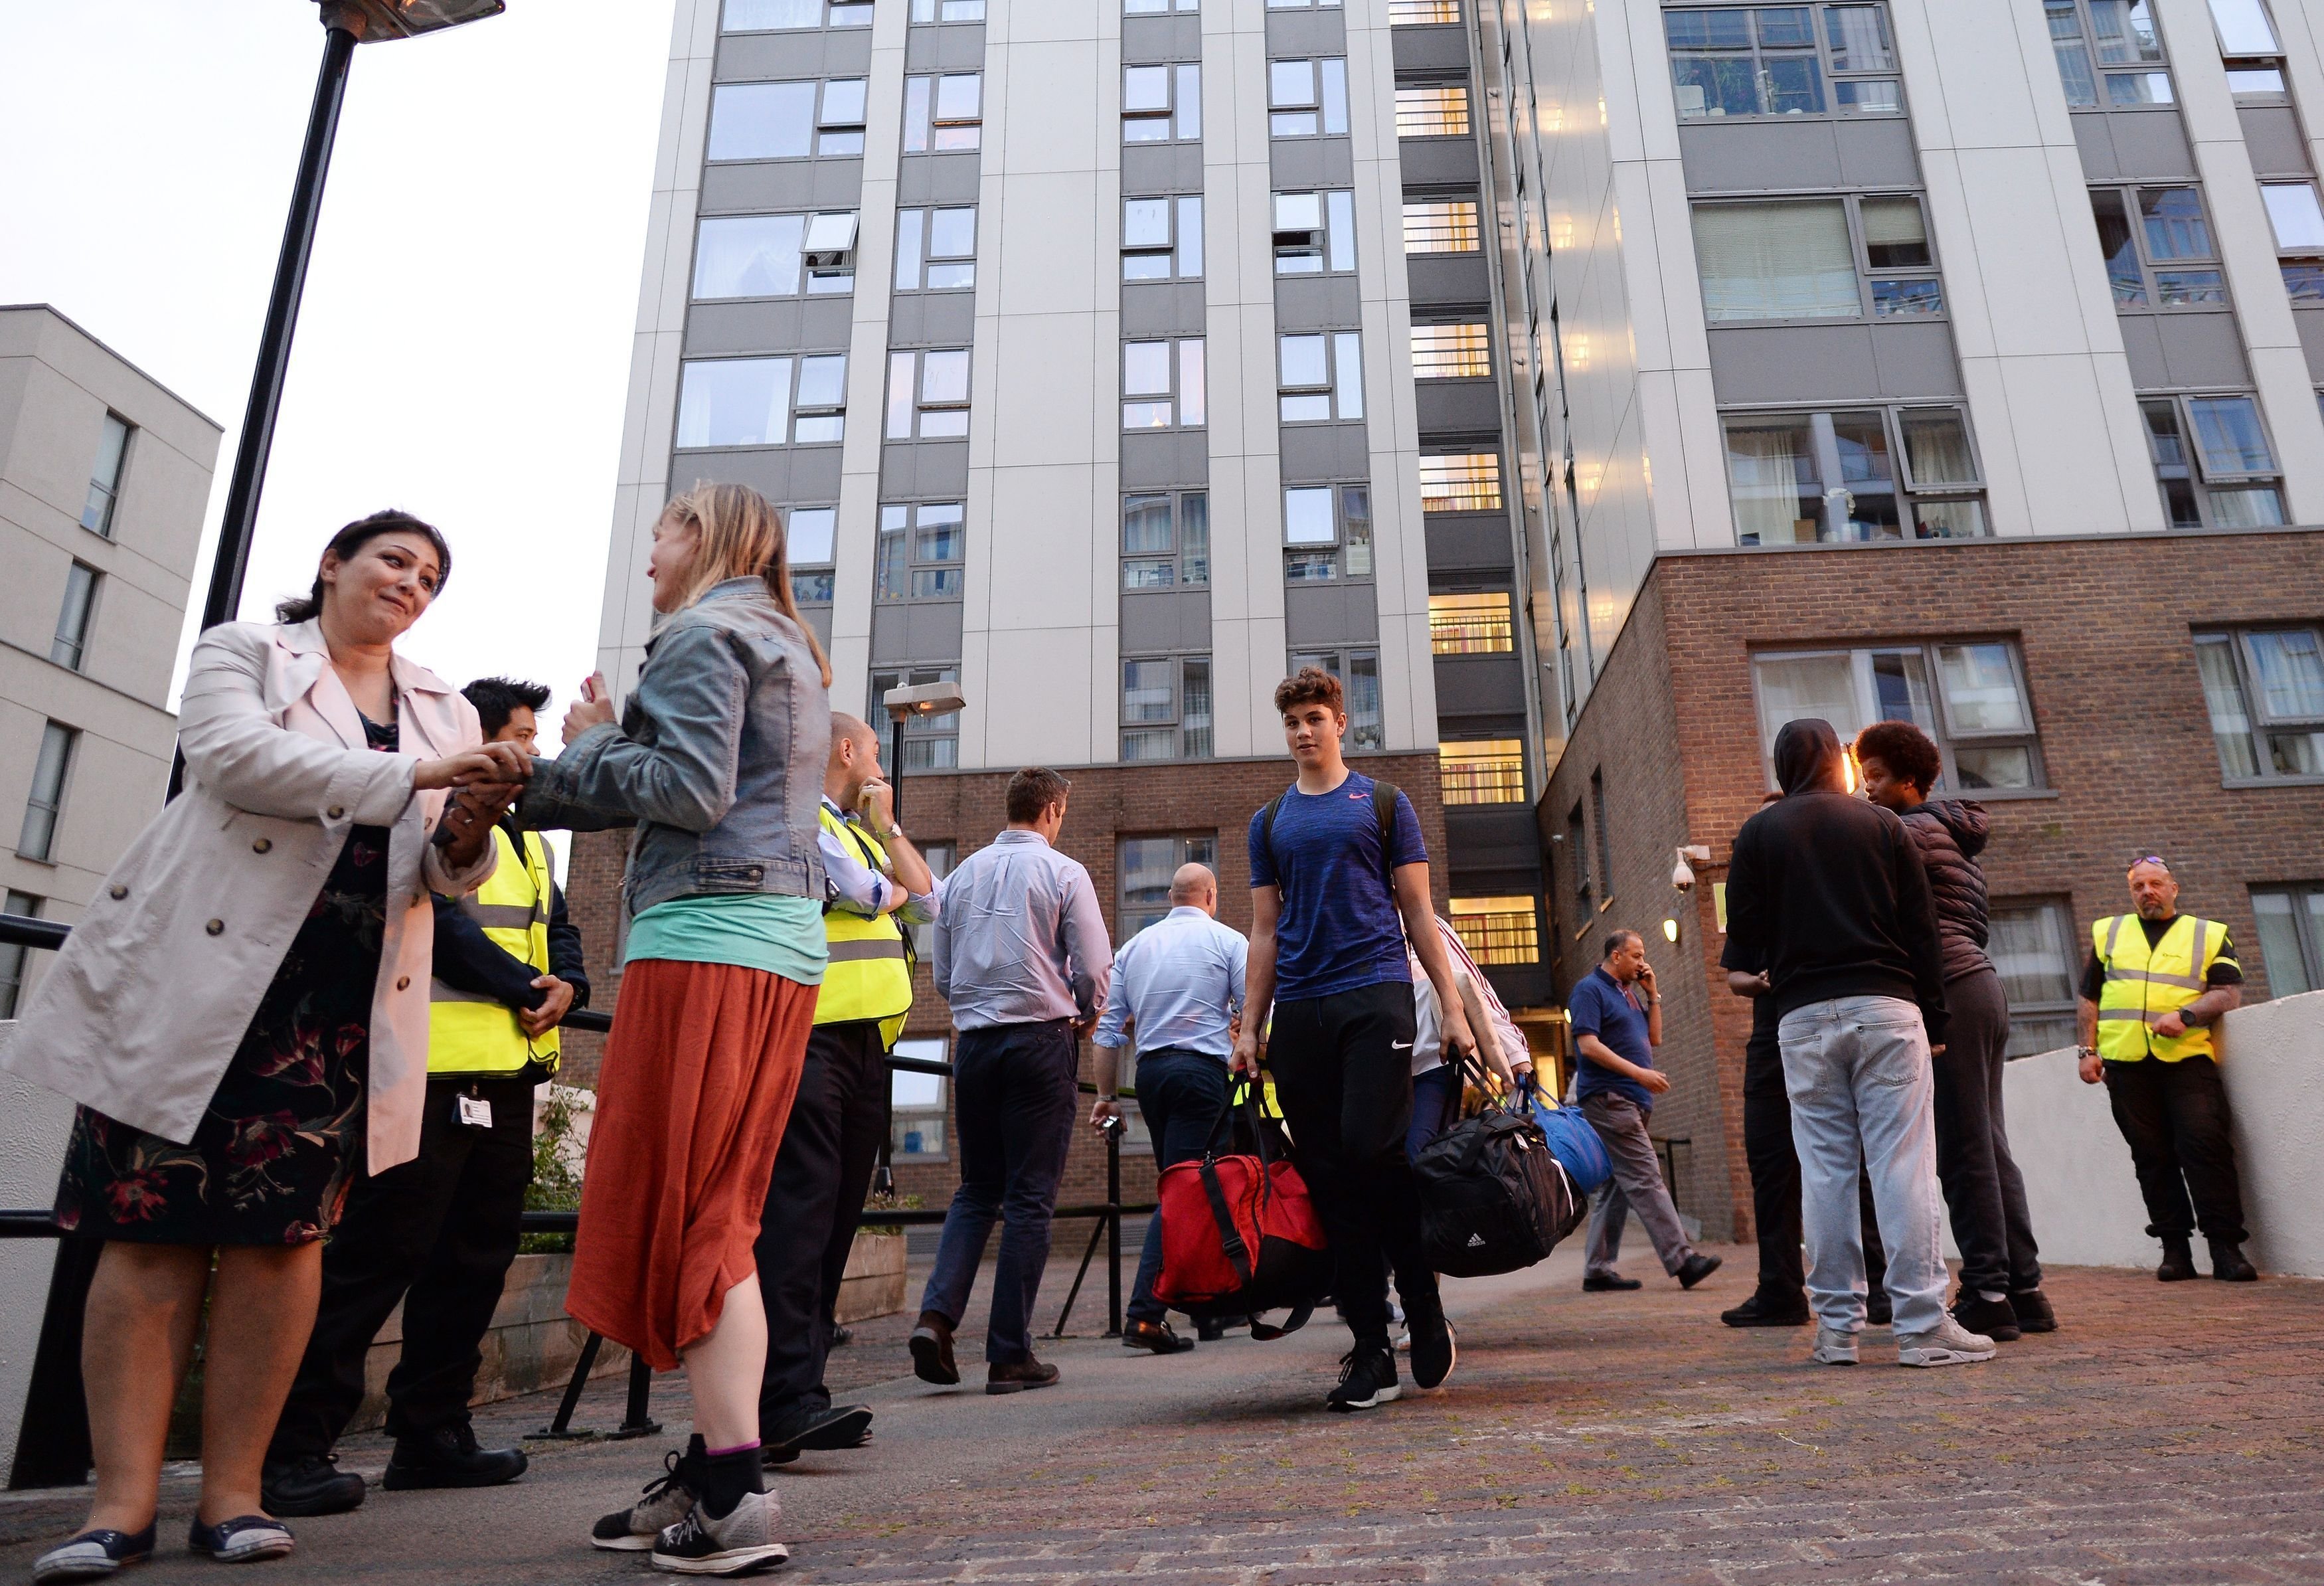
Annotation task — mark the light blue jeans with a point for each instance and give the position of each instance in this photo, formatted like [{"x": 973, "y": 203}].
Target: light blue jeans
[{"x": 1857, "y": 1072}]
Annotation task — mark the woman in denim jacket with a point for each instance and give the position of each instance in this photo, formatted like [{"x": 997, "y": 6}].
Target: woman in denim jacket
[{"x": 718, "y": 763}]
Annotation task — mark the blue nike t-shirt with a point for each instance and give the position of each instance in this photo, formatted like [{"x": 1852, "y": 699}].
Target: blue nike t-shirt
[{"x": 1339, "y": 928}]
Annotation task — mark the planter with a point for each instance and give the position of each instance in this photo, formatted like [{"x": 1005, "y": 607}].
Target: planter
[{"x": 873, "y": 1283}]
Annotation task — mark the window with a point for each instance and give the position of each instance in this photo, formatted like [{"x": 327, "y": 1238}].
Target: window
[
  {"x": 931, "y": 743},
  {"x": 13, "y": 957},
  {"x": 1471, "y": 624},
  {"x": 809, "y": 533},
  {"x": 1321, "y": 545},
  {"x": 2265, "y": 691},
  {"x": 1498, "y": 930},
  {"x": 781, "y": 121},
  {"x": 2109, "y": 52},
  {"x": 2032, "y": 946},
  {"x": 759, "y": 16},
  {"x": 1315, "y": 232},
  {"x": 72, "y": 619},
  {"x": 104, "y": 478},
  {"x": 1452, "y": 352},
  {"x": 2290, "y": 939},
  {"x": 927, "y": 394},
  {"x": 1817, "y": 259},
  {"x": 1166, "y": 539},
  {"x": 1433, "y": 110},
  {"x": 1486, "y": 771},
  {"x": 1804, "y": 478},
  {"x": 1157, "y": 7},
  {"x": 1968, "y": 695},
  {"x": 45, "y": 803},
  {"x": 2298, "y": 224},
  {"x": 1162, "y": 104},
  {"x": 2224, "y": 478},
  {"x": 1358, "y": 674},
  {"x": 1162, "y": 384},
  {"x": 944, "y": 113},
  {"x": 2158, "y": 247},
  {"x": 1776, "y": 61},
  {"x": 1603, "y": 829},
  {"x": 1307, "y": 97},
  {"x": 1165, "y": 708},
  {"x": 915, "y": 1105},
  {"x": 2250, "y": 50},
  {"x": 1145, "y": 866},
  {"x": 1442, "y": 225},
  {"x": 921, "y": 549},
  {"x": 1419, "y": 12},
  {"x": 1321, "y": 376},
  {"x": 1461, "y": 482},
  {"x": 775, "y": 255},
  {"x": 1303, "y": 5},
  {"x": 762, "y": 401},
  {"x": 947, "y": 10},
  {"x": 936, "y": 250},
  {"x": 1162, "y": 239}
]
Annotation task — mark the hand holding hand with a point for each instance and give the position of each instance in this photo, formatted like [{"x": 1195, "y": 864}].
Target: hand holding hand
[
  {"x": 488, "y": 762},
  {"x": 595, "y": 708},
  {"x": 540, "y": 1021}
]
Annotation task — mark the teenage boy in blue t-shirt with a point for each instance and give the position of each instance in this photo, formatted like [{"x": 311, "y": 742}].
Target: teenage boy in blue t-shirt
[{"x": 1327, "y": 953}]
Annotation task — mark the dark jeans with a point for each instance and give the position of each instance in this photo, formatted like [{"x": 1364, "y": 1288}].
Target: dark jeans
[
  {"x": 1182, "y": 1095},
  {"x": 1983, "y": 1189},
  {"x": 1342, "y": 1067},
  {"x": 2175, "y": 1117},
  {"x": 1774, "y": 1164},
  {"x": 443, "y": 1226},
  {"x": 1014, "y": 1097},
  {"x": 822, "y": 1171},
  {"x": 1435, "y": 1104}
]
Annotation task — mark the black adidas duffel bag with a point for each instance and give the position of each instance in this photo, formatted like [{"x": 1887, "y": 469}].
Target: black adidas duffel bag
[{"x": 1492, "y": 1196}]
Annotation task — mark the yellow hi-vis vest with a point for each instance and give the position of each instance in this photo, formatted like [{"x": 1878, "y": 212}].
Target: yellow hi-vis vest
[
  {"x": 472, "y": 1034},
  {"x": 869, "y": 975},
  {"x": 2142, "y": 984}
]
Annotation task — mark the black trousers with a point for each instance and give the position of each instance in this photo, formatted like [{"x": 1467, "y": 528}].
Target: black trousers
[
  {"x": 437, "y": 1232},
  {"x": 830, "y": 1149},
  {"x": 1983, "y": 1189},
  {"x": 1181, "y": 1094},
  {"x": 2175, "y": 1117},
  {"x": 1342, "y": 1067},
  {"x": 1774, "y": 1164}
]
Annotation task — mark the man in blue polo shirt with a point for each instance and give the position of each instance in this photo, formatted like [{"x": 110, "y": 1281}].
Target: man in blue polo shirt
[{"x": 1617, "y": 1019}]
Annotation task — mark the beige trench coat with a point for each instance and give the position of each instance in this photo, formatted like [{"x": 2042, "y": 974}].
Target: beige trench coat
[{"x": 152, "y": 991}]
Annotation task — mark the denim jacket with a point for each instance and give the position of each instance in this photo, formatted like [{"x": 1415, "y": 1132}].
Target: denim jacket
[{"x": 718, "y": 761}]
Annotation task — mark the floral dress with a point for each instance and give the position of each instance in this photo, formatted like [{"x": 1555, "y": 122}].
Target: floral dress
[{"x": 272, "y": 1159}]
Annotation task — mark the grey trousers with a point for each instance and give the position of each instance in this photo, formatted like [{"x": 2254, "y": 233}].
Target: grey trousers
[{"x": 1636, "y": 1186}]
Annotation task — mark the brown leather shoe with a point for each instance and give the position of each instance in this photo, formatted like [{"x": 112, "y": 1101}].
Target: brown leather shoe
[
  {"x": 931, "y": 1347},
  {"x": 1160, "y": 1337},
  {"x": 1017, "y": 1376}
]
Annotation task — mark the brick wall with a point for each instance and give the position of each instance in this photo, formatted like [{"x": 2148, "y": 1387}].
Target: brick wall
[{"x": 2104, "y": 628}]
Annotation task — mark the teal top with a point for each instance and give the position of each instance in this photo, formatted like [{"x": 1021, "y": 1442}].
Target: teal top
[{"x": 757, "y": 930}]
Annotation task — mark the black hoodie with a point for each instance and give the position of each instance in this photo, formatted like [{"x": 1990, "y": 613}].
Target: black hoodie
[{"x": 1826, "y": 893}]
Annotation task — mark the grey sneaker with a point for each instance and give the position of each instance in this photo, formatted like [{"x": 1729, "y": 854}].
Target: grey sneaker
[
  {"x": 742, "y": 1542},
  {"x": 665, "y": 1502},
  {"x": 1948, "y": 1344},
  {"x": 1833, "y": 1347}
]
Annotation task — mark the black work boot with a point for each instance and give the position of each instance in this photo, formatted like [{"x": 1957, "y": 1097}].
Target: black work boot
[
  {"x": 2228, "y": 1263},
  {"x": 450, "y": 1457},
  {"x": 313, "y": 1485},
  {"x": 1764, "y": 1309},
  {"x": 2177, "y": 1260}
]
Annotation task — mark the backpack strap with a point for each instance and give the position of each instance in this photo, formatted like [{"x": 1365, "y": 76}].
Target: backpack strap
[
  {"x": 1384, "y": 798},
  {"x": 1266, "y": 833}
]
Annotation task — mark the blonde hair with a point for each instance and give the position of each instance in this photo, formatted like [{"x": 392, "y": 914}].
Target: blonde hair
[{"x": 740, "y": 535}]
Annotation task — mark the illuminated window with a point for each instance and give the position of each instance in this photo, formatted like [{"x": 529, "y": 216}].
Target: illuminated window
[
  {"x": 1488, "y": 770},
  {"x": 1451, "y": 352},
  {"x": 1418, "y": 13},
  {"x": 1433, "y": 110},
  {"x": 1462, "y": 482},
  {"x": 1441, "y": 227},
  {"x": 1470, "y": 624},
  {"x": 1498, "y": 930}
]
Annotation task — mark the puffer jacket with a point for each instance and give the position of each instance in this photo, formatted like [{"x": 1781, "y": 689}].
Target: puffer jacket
[{"x": 1951, "y": 833}]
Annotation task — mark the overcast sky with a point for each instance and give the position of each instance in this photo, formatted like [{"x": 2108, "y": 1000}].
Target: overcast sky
[{"x": 464, "y": 348}]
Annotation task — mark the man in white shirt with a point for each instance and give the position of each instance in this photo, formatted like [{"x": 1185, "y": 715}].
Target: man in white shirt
[{"x": 1436, "y": 1084}]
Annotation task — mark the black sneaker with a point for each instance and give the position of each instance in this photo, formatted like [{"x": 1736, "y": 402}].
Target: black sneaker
[
  {"x": 314, "y": 1484},
  {"x": 1696, "y": 1267},
  {"x": 842, "y": 1336},
  {"x": 1994, "y": 1318},
  {"x": 2032, "y": 1308},
  {"x": 1609, "y": 1283},
  {"x": 1367, "y": 1380},
  {"x": 243, "y": 1540},
  {"x": 1435, "y": 1351},
  {"x": 667, "y": 1500},
  {"x": 450, "y": 1457},
  {"x": 94, "y": 1555},
  {"x": 742, "y": 1542},
  {"x": 2228, "y": 1263},
  {"x": 1766, "y": 1310},
  {"x": 815, "y": 1426}
]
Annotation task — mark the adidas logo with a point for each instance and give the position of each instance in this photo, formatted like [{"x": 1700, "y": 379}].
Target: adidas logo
[{"x": 1475, "y": 1241}]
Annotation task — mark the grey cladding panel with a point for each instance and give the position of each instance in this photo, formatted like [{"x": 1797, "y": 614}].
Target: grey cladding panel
[
  {"x": 916, "y": 630},
  {"x": 1434, "y": 163},
  {"x": 784, "y": 476},
  {"x": 1751, "y": 156},
  {"x": 1470, "y": 545},
  {"x": 1876, "y": 152},
  {"x": 2134, "y": 145},
  {"x": 1329, "y": 613},
  {"x": 1148, "y": 39},
  {"x": 1914, "y": 359},
  {"x": 772, "y": 325},
  {"x": 932, "y": 319},
  {"x": 1438, "y": 48},
  {"x": 2142, "y": 344},
  {"x": 950, "y": 48},
  {"x": 1448, "y": 281},
  {"x": 1324, "y": 454},
  {"x": 1317, "y": 303},
  {"x": 1298, "y": 164},
  {"x": 2312, "y": 339},
  {"x": 1793, "y": 364},
  {"x": 1457, "y": 409},
  {"x": 766, "y": 187},
  {"x": 1161, "y": 167},
  {"x": 819, "y": 618},
  {"x": 1162, "y": 307},
  {"x": 2272, "y": 135},
  {"x": 923, "y": 470},
  {"x": 1154, "y": 622},
  {"x": 938, "y": 179},
  {"x": 2202, "y": 349},
  {"x": 1291, "y": 35},
  {"x": 1159, "y": 459},
  {"x": 2097, "y": 145},
  {"x": 1480, "y": 685},
  {"x": 775, "y": 57}
]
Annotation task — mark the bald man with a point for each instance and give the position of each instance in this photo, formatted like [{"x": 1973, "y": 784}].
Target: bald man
[{"x": 1177, "y": 985}]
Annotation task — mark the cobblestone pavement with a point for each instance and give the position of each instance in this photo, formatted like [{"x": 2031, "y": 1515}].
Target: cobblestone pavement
[{"x": 2167, "y": 1434}]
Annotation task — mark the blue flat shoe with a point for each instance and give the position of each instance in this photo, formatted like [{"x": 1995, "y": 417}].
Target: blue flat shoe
[
  {"x": 94, "y": 1555},
  {"x": 245, "y": 1539}
]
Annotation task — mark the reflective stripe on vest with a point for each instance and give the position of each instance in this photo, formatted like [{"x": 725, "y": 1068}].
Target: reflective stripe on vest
[
  {"x": 468, "y": 1033},
  {"x": 2143, "y": 983},
  {"x": 869, "y": 975}
]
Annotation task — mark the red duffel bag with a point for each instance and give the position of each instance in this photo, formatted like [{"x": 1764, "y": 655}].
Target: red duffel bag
[{"x": 1239, "y": 1234}]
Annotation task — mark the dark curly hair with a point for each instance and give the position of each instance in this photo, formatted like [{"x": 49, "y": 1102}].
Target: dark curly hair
[
  {"x": 305, "y": 608},
  {"x": 1311, "y": 686},
  {"x": 1905, "y": 750}
]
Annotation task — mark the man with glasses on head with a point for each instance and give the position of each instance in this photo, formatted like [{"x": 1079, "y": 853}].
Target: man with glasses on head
[{"x": 2156, "y": 982}]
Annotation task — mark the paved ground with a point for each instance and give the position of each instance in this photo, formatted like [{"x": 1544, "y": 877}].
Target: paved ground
[{"x": 2165, "y": 1436}]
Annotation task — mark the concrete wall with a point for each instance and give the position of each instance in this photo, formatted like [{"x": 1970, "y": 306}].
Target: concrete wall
[{"x": 2087, "y": 1211}]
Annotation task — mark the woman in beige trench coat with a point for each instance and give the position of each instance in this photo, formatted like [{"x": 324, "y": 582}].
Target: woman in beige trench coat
[{"x": 242, "y": 1013}]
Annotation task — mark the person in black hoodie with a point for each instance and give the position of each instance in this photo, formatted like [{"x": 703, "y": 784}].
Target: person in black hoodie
[
  {"x": 2001, "y": 1270},
  {"x": 1827, "y": 895}
]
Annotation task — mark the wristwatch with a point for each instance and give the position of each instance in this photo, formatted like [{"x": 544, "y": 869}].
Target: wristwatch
[
  {"x": 2086, "y": 1051},
  {"x": 895, "y": 829}
]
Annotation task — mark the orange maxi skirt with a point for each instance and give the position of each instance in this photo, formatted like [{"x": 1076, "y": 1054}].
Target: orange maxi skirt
[{"x": 699, "y": 1075}]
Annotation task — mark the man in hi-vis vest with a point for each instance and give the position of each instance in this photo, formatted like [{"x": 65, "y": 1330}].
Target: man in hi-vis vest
[
  {"x": 444, "y": 1226},
  {"x": 876, "y": 884},
  {"x": 2156, "y": 983}
]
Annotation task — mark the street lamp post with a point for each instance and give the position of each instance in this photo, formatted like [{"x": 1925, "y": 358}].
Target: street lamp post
[{"x": 922, "y": 700}]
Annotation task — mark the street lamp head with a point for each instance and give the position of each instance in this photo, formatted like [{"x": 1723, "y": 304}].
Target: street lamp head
[
  {"x": 371, "y": 21},
  {"x": 923, "y": 699}
]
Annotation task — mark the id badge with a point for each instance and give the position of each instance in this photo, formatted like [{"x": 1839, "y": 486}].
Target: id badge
[{"x": 475, "y": 1112}]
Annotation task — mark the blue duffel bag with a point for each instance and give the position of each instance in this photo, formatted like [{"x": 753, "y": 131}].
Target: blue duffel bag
[{"x": 1572, "y": 1140}]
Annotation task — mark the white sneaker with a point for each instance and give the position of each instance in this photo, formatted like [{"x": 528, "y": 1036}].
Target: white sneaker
[
  {"x": 1948, "y": 1344},
  {"x": 1833, "y": 1347},
  {"x": 742, "y": 1542}
]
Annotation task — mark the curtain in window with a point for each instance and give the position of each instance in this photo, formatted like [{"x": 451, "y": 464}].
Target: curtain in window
[
  {"x": 2278, "y": 941},
  {"x": 1859, "y": 36},
  {"x": 2028, "y": 949},
  {"x": 1771, "y": 471},
  {"x": 1982, "y": 688},
  {"x": 1788, "y": 260},
  {"x": 2290, "y": 671},
  {"x": 1936, "y": 449},
  {"x": 2228, "y": 434},
  {"x": 1795, "y": 687},
  {"x": 2224, "y": 695}
]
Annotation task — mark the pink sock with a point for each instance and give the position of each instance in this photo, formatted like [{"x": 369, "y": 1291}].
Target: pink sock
[{"x": 738, "y": 1448}]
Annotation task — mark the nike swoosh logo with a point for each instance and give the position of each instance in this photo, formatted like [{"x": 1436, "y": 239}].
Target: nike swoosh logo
[{"x": 1399, "y": 1045}]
